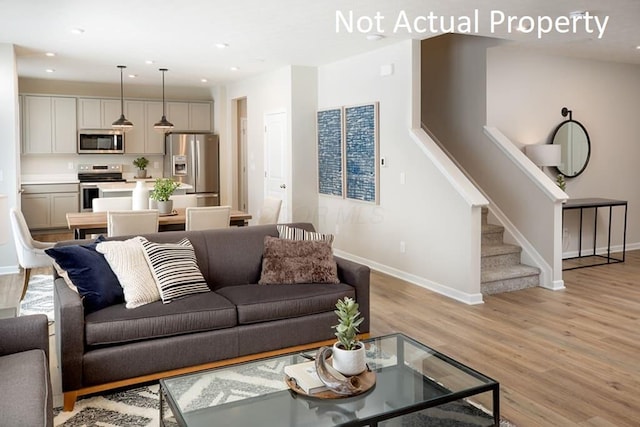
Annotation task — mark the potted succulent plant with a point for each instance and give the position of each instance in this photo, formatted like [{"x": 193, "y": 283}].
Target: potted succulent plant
[
  {"x": 348, "y": 352},
  {"x": 162, "y": 191},
  {"x": 141, "y": 163}
]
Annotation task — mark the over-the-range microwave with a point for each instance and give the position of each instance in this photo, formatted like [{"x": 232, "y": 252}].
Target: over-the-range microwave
[{"x": 100, "y": 141}]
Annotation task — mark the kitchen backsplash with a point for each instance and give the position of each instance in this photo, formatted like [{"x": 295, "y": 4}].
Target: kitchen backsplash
[{"x": 64, "y": 165}]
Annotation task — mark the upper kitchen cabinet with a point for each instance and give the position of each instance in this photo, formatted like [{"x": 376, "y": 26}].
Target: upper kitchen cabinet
[
  {"x": 143, "y": 139},
  {"x": 94, "y": 113},
  {"x": 190, "y": 116},
  {"x": 49, "y": 125}
]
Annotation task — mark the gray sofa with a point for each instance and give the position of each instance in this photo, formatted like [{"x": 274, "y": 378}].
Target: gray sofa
[
  {"x": 26, "y": 398},
  {"x": 116, "y": 346}
]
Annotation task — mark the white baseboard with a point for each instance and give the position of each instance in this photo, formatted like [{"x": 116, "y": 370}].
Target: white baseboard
[
  {"x": 9, "y": 269},
  {"x": 471, "y": 299},
  {"x": 601, "y": 250}
]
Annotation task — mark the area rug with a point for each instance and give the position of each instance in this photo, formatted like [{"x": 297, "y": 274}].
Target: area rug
[
  {"x": 39, "y": 297},
  {"x": 139, "y": 407}
]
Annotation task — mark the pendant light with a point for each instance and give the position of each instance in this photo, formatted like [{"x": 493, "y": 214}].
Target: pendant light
[
  {"x": 163, "y": 125},
  {"x": 122, "y": 123}
]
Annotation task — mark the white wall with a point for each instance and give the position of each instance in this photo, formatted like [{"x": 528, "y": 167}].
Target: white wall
[
  {"x": 9, "y": 143},
  {"x": 266, "y": 93},
  {"x": 426, "y": 213},
  {"x": 527, "y": 90}
]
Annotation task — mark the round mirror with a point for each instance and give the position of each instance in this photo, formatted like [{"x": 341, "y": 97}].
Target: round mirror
[{"x": 576, "y": 146}]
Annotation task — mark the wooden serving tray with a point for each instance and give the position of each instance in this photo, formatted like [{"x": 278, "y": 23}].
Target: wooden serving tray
[{"x": 367, "y": 381}]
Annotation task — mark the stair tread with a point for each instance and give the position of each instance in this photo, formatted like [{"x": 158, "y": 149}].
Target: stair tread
[
  {"x": 499, "y": 249},
  {"x": 491, "y": 228},
  {"x": 508, "y": 272}
]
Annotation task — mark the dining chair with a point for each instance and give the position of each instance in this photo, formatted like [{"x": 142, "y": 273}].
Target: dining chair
[
  {"x": 184, "y": 200},
  {"x": 124, "y": 223},
  {"x": 103, "y": 204},
  {"x": 207, "y": 217},
  {"x": 270, "y": 211},
  {"x": 30, "y": 252}
]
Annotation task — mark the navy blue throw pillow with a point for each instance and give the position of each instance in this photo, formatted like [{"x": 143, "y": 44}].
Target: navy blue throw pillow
[{"x": 90, "y": 273}]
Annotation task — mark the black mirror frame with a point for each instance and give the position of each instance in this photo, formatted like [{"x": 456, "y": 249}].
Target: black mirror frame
[{"x": 564, "y": 112}]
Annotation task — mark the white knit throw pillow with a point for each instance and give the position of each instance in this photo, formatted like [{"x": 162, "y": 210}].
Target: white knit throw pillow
[{"x": 127, "y": 260}]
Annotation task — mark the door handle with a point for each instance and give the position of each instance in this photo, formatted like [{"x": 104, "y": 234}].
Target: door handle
[{"x": 283, "y": 186}]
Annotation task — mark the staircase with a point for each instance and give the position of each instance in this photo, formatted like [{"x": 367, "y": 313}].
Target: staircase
[{"x": 501, "y": 270}]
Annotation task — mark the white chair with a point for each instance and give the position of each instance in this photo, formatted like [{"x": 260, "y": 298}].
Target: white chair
[
  {"x": 184, "y": 200},
  {"x": 30, "y": 252},
  {"x": 207, "y": 217},
  {"x": 124, "y": 223},
  {"x": 270, "y": 211},
  {"x": 103, "y": 204}
]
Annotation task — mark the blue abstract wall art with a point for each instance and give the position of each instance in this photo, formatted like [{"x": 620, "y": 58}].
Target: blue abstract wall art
[
  {"x": 361, "y": 146},
  {"x": 330, "y": 149}
]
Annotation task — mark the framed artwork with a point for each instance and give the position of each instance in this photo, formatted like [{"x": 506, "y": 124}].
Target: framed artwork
[
  {"x": 361, "y": 152},
  {"x": 330, "y": 152}
]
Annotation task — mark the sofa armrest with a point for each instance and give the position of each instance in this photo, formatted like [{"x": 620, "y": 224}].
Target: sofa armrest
[
  {"x": 358, "y": 276},
  {"x": 24, "y": 333},
  {"x": 69, "y": 323}
]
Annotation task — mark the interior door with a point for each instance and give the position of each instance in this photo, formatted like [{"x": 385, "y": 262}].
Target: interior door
[
  {"x": 276, "y": 167},
  {"x": 243, "y": 187}
]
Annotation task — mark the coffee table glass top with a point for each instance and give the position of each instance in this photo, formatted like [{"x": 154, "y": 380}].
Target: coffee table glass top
[{"x": 409, "y": 377}]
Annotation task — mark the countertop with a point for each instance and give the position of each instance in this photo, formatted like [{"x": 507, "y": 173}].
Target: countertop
[
  {"x": 126, "y": 186},
  {"x": 70, "y": 178}
]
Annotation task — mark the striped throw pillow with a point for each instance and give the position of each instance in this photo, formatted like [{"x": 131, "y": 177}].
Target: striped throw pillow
[
  {"x": 175, "y": 269},
  {"x": 294, "y": 233}
]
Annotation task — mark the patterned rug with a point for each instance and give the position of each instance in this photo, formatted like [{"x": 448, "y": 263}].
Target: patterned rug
[
  {"x": 139, "y": 407},
  {"x": 39, "y": 297}
]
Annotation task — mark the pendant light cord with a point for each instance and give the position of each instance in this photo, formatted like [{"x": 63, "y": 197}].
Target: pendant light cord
[{"x": 121, "y": 91}]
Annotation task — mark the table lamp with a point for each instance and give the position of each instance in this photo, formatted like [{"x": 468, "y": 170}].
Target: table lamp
[
  {"x": 4, "y": 219},
  {"x": 544, "y": 154}
]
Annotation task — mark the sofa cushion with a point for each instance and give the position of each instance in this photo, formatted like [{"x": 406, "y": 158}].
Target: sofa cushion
[
  {"x": 287, "y": 261},
  {"x": 175, "y": 269},
  {"x": 25, "y": 391},
  {"x": 194, "y": 313},
  {"x": 257, "y": 303},
  {"x": 126, "y": 259},
  {"x": 90, "y": 273}
]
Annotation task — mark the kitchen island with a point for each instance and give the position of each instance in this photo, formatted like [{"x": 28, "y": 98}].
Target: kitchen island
[{"x": 125, "y": 189}]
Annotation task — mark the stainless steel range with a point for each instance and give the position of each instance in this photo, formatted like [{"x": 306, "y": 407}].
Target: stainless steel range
[{"x": 92, "y": 175}]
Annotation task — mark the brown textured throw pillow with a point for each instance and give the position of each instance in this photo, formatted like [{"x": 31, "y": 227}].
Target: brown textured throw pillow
[{"x": 297, "y": 261}]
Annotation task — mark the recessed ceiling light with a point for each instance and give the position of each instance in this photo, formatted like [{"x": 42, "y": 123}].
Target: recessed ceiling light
[
  {"x": 638, "y": 47},
  {"x": 222, "y": 45},
  {"x": 77, "y": 31},
  {"x": 50, "y": 54},
  {"x": 50, "y": 70},
  {"x": 149, "y": 62},
  {"x": 203, "y": 80},
  {"x": 133, "y": 76},
  {"x": 374, "y": 37},
  {"x": 234, "y": 68},
  {"x": 578, "y": 14}
]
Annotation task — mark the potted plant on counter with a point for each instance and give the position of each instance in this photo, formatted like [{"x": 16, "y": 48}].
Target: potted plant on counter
[
  {"x": 162, "y": 191},
  {"x": 141, "y": 163},
  {"x": 348, "y": 352}
]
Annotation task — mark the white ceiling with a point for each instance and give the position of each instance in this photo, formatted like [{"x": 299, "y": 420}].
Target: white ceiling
[{"x": 262, "y": 34}]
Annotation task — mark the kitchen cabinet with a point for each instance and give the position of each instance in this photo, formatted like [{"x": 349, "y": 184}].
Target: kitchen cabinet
[
  {"x": 49, "y": 125},
  {"x": 46, "y": 205},
  {"x": 190, "y": 116},
  {"x": 143, "y": 139},
  {"x": 95, "y": 113}
]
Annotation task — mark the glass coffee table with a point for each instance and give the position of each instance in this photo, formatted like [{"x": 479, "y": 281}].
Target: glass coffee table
[{"x": 410, "y": 379}]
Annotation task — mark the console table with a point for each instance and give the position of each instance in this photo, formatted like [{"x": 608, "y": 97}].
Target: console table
[{"x": 595, "y": 203}]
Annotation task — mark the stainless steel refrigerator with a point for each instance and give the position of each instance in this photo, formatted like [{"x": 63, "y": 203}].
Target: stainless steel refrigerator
[{"x": 193, "y": 158}]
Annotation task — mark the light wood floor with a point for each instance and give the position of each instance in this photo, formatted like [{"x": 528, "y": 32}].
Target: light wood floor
[{"x": 563, "y": 358}]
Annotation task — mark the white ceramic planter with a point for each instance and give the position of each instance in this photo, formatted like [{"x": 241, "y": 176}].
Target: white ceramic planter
[
  {"x": 165, "y": 208},
  {"x": 349, "y": 362}
]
